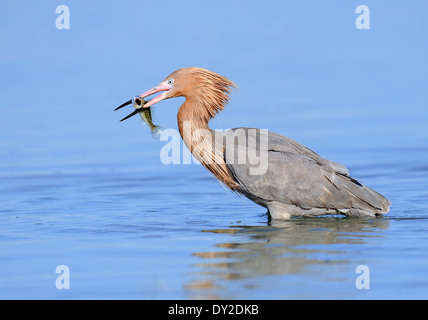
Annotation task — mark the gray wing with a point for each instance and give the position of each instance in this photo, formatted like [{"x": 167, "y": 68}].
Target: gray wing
[{"x": 277, "y": 168}]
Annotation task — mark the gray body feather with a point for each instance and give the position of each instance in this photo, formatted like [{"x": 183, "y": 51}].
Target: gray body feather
[{"x": 291, "y": 180}]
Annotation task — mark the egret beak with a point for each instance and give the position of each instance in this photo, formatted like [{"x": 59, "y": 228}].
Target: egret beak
[
  {"x": 131, "y": 114},
  {"x": 123, "y": 105},
  {"x": 140, "y": 103},
  {"x": 163, "y": 86}
]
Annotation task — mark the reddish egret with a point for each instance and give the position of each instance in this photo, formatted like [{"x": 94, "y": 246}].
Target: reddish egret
[{"x": 295, "y": 181}]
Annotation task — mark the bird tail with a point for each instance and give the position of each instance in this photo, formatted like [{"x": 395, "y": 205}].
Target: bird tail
[{"x": 365, "y": 199}]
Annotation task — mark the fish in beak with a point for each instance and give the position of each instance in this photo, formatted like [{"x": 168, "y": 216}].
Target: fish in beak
[
  {"x": 145, "y": 114},
  {"x": 163, "y": 87}
]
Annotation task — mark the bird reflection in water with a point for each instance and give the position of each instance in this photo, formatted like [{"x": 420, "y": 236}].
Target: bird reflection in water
[{"x": 280, "y": 248}]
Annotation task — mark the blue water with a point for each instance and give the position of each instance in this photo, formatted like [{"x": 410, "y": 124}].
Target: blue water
[
  {"x": 80, "y": 189},
  {"x": 154, "y": 232}
]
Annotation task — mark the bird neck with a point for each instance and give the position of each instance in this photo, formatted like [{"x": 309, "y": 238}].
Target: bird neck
[
  {"x": 192, "y": 115},
  {"x": 205, "y": 145}
]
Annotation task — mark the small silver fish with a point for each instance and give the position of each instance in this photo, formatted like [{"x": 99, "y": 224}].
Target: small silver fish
[{"x": 146, "y": 116}]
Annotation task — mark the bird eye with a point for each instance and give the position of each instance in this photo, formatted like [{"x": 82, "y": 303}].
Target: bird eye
[{"x": 170, "y": 81}]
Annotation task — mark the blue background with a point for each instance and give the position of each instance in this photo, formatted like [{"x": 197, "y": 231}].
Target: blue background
[{"x": 303, "y": 70}]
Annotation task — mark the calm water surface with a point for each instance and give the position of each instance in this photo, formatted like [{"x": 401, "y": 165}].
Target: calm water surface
[{"x": 135, "y": 230}]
